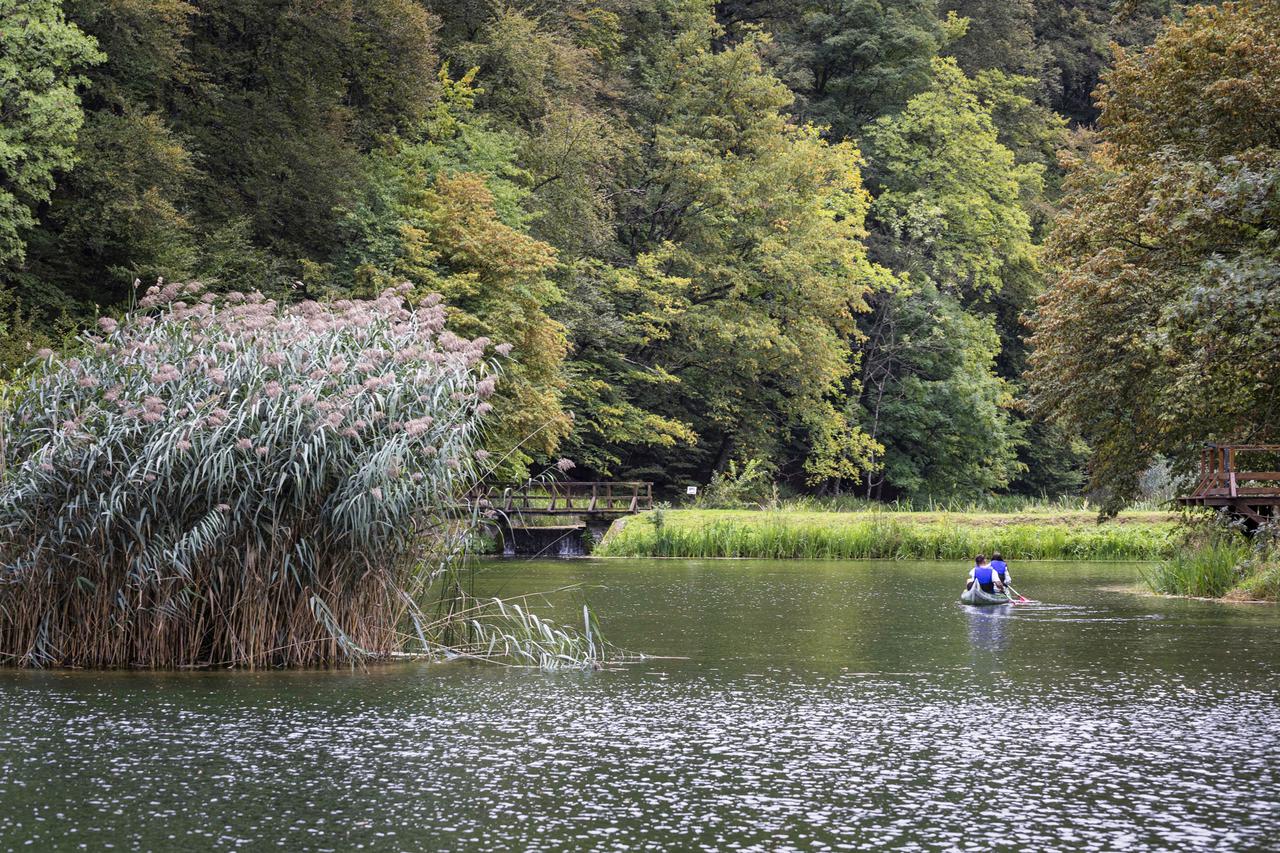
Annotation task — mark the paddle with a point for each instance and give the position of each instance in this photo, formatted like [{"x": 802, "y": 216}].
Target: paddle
[{"x": 1021, "y": 599}]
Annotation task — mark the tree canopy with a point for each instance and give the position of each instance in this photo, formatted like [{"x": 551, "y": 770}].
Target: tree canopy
[
  {"x": 806, "y": 237},
  {"x": 1161, "y": 327}
]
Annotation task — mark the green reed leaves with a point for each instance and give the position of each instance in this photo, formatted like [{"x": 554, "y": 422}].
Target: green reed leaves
[{"x": 223, "y": 481}]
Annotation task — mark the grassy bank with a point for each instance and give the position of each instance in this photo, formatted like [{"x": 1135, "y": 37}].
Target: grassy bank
[
  {"x": 792, "y": 534},
  {"x": 1219, "y": 564},
  {"x": 1261, "y": 582}
]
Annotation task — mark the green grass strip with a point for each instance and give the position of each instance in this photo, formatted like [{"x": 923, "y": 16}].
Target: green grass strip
[{"x": 923, "y": 536}]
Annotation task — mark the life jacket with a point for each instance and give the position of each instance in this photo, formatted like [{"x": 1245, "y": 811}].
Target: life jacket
[
  {"x": 985, "y": 578},
  {"x": 1000, "y": 566}
]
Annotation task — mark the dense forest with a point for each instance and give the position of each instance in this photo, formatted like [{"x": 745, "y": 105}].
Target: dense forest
[{"x": 897, "y": 247}]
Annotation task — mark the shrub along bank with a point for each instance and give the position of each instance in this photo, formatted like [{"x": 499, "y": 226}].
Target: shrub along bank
[
  {"x": 1216, "y": 562},
  {"x": 889, "y": 535}
]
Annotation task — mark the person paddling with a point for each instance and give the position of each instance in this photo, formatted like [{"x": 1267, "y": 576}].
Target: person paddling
[
  {"x": 984, "y": 576},
  {"x": 1000, "y": 567}
]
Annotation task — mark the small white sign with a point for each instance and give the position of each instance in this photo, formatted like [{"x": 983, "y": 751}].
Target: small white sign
[{"x": 691, "y": 490}]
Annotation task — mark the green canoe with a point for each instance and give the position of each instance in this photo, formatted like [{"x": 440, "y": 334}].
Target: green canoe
[{"x": 975, "y": 595}]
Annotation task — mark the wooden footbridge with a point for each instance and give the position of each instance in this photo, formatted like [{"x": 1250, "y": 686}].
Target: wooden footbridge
[
  {"x": 1240, "y": 479},
  {"x": 558, "y": 517},
  {"x": 604, "y": 499}
]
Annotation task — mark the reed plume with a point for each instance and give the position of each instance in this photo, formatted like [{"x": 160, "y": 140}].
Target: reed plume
[{"x": 226, "y": 481}]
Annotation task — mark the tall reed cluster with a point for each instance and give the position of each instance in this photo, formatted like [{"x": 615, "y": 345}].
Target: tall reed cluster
[
  {"x": 1206, "y": 570},
  {"x": 1215, "y": 559},
  {"x": 219, "y": 480},
  {"x": 877, "y": 536}
]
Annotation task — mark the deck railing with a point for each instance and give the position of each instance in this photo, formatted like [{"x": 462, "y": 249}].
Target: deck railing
[
  {"x": 568, "y": 498},
  {"x": 1221, "y": 474}
]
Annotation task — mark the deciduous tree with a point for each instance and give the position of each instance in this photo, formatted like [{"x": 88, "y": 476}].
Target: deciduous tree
[
  {"x": 1161, "y": 329},
  {"x": 40, "y": 113}
]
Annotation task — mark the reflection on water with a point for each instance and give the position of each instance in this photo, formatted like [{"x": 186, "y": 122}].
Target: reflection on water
[
  {"x": 987, "y": 627},
  {"x": 821, "y": 708}
]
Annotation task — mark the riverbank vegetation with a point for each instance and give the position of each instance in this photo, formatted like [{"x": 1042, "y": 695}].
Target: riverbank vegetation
[
  {"x": 1213, "y": 560},
  {"x": 797, "y": 534},
  {"x": 939, "y": 252},
  {"x": 225, "y": 482},
  {"x": 807, "y": 234}
]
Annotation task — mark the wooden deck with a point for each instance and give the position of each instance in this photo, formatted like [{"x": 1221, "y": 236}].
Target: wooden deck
[{"x": 1241, "y": 479}]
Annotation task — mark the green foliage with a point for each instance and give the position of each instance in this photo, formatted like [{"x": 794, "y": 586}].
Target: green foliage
[
  {"x": 613, "y": 313},
  {"x": 949, "y": 196},
  {"x": 548, "y": 80},
  {"x": 1076, "y": 509},
  {"x": 949, "y": 217},
  {"x": 444, "y": 214},
  {"x": 1051, "y": 460},
  {"x": 40, "y": 111},
  {"x": 1260, "y": 583},
  {"x": 119, "y": 215},
  {"x": 124, "y": 212},
  {"x": 283, "y": 110},
  {"x": 1159, "y": 330},
  {"x": 763, "y": 221},
  {"x": 853, "y": 61},
  {"x": 1000, "y": 35},
  {"x": 659, "y": 205},
  {"x": 1207, "y": 563},
  {"x": 1214, "y": 558},
  {"x": 931, "y": 398},
  {"x": 738, "y": 486},
  {"x": 20, "y": 336},
  {"x": 1076, "y": 37},
  {"x": 784, "y": 535}
]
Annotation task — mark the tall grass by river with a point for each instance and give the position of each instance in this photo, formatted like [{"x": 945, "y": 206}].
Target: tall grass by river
[
  {"x": 1208, "y": 571},
  {"x": 812, "y": 535},
  {"x": 1221, "y": 563}
]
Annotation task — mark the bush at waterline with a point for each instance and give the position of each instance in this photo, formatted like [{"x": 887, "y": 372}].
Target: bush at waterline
[{"x": 1217, "y": 560}]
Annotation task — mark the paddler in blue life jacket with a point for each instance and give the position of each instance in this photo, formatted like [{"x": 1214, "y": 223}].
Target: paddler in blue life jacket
[
  {"x": 1001, "y": 568},
  {"x": 984, "y": 576}
]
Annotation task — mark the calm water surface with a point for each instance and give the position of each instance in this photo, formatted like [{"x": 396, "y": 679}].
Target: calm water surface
[{"x": 823, "y": 706}]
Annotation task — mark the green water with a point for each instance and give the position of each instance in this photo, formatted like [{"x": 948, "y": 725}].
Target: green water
[{"x": 822, "y": 706}]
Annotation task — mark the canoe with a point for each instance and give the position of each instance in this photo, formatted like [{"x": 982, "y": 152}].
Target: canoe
[{"x": 976, "y": 596}]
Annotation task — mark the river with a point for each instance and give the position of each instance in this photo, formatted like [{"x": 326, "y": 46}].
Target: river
[{"x": 821, "y": 706}]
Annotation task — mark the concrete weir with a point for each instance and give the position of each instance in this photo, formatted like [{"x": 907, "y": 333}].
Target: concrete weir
[{"x": 556, "y": 540}]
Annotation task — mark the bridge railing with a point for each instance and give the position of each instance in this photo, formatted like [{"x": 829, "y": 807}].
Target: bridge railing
[
  {"x": 1223, "y": 476},
  {"x": 568, "y": 498}
]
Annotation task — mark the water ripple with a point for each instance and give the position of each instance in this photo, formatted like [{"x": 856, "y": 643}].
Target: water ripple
[{"x": 1095, "y": 725}]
